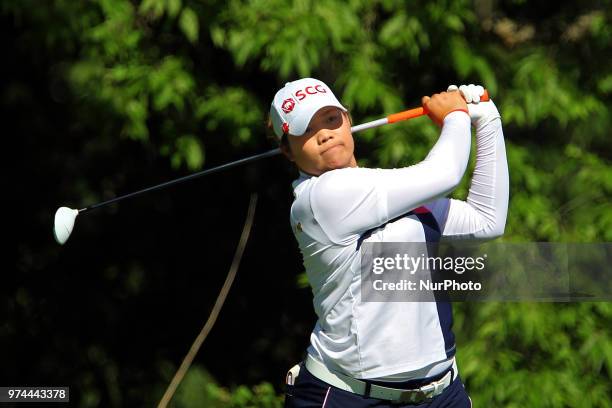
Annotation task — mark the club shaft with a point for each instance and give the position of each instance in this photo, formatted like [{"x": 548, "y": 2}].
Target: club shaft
[
  {"x": 226, "y": 166},
  {"x": 369, "y": 125}
]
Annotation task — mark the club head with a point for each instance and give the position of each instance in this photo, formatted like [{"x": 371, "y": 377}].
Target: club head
[{"x": 63, "y": 224}]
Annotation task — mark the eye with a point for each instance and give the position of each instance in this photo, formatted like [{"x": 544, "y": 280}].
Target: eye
[
  {"x": 308, "y": 129},
  {"x": 333, "y": 117}
]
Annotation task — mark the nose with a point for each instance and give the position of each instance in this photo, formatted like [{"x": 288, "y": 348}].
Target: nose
[{"x": 324, "y": 137}]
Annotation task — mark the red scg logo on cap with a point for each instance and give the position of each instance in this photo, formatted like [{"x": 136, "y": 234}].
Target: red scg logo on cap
[
  {"x": 310, "y": 90},
  {"x": 288, "y": 105}
]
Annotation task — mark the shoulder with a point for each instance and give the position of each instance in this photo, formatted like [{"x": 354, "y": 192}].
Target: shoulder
[
  {"x": 332, "y": 183},
  {"x": 340, "y": 192},
  {"x": 336, "y": 189},
  {"x": 343, "y": 181}
]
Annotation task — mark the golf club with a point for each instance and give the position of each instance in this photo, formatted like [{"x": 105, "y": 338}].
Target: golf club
[{"x": 65, "y": 217}]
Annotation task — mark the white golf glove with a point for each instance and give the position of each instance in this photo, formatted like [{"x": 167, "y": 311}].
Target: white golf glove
[{"x": 481, "y": 113}]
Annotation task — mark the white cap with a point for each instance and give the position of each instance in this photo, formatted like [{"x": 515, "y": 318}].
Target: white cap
[{"x": 297, "y": 102}]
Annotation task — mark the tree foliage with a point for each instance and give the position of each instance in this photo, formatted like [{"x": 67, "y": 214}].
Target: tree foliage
[{"x": 189, "y": 84}]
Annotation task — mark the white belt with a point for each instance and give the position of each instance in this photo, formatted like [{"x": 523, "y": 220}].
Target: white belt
[{"x": 356, "y": 386}]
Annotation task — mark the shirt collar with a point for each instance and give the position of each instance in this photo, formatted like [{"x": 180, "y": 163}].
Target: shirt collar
[{"x": 303, "y": 177}]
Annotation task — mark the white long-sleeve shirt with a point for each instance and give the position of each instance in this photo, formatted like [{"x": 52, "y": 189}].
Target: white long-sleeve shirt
[{"x": 394, "y": 340}]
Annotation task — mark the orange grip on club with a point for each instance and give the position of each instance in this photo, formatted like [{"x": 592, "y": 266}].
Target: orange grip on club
[
  {"x": 408, "y": 114},
  {"x": 416, "y": 112}
]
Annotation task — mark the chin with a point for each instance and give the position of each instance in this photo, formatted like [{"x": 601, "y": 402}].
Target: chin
[{"x": 338, "y": 164}]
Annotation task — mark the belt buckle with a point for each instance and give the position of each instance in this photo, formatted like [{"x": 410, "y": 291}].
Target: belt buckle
[
  {"x": 417, "y": 395},
  {"x": 428, "y": 390}
]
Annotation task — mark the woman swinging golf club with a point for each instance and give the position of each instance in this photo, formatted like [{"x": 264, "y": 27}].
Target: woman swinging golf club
[{"x": 365, "y": 354}]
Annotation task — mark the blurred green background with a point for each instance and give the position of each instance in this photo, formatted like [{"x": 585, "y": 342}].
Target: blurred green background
[{"x": 103, "y": 97}]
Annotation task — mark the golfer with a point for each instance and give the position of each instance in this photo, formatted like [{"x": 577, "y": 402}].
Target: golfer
[{"x": 383, "y": 354}]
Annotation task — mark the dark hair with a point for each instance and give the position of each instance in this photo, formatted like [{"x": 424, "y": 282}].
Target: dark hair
[
  {"x": 271, "y": 135},
  {"x": 284, "y": 142}
]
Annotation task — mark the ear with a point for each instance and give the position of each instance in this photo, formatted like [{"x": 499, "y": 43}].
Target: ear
[{"x": 286, "y": 150}]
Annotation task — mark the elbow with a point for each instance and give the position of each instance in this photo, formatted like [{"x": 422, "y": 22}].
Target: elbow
[
  {"x": 457, "y": 176},
  {"x": 497, "y": 232},
  {"x": 491, "y": 227},
  {"x": 497, "y": 225},
  {"x": 494, "y": 230},
  {"x": 456, "y": 171},
  {"x": 452, "y": 177}
]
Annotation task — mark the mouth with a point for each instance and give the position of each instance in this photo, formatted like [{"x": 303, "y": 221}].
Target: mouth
[{"x": 334, "y": 147}]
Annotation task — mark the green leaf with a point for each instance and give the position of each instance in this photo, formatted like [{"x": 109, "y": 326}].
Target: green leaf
[
  {"x": 605, "y": 84},
  {"x": 190, "y": 151},
  {"x": 155, "y": 7},
  {"x": 173, "y": 7},
  {"x": 188, "y": 22}
]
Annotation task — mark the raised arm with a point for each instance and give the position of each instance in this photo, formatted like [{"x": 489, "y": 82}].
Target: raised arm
[
  {"x": 483, "y": 214},
  {"x": 347, "y": 202}
]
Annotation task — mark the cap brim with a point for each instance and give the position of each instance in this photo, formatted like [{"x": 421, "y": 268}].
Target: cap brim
[{"x": 299, "y": 124}]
